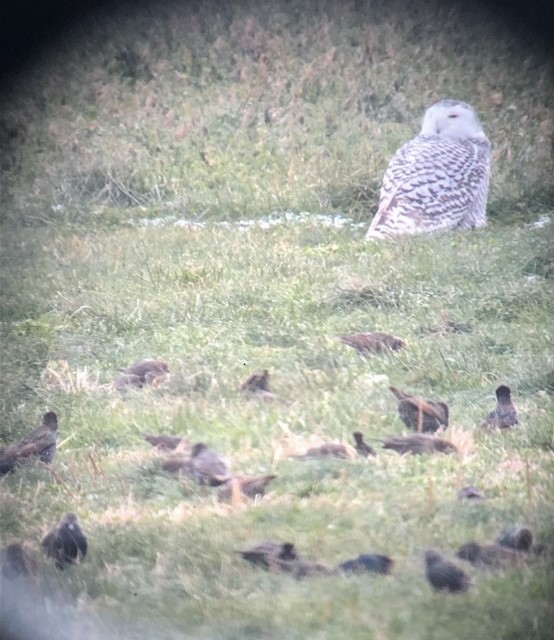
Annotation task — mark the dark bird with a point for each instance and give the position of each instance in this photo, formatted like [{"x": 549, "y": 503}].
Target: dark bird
[
  {"x": 516, "y": 537},
  {"x": 419, "y": 414},
  {"x": 16, "y": 562},
  {"x": 367, "y": 562},
  {"x": 283, "y": 558},
  {"x": 265, "y": 554},
  {"x": 257, "y": 382},
  {"x": 142, "y": 373},
  {"x": 361, "y": 445},
  {"x": 40, "y": 443},
  {"x": 504, "y": 414},
  {"x": 164, "y": 443},
  {"x": 249, "y": 486},
  {"x": 376, "y": 342},
  {"x": 445, "y": 575},
  {"x": 470, "y": 493},
  {"x": 490, "y": 555},
  {"x": 203, "y": 464},
  {"x": 330, "y": 449},
  {"x": 419, "y": 443},
  {"x": 66, "y": 543}
]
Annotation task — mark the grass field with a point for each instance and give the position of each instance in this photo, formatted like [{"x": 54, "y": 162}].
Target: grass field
[{"x": 232, "y": 116}]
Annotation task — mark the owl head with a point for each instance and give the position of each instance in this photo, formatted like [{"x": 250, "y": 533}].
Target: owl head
[{"x": 452, "y": 119}]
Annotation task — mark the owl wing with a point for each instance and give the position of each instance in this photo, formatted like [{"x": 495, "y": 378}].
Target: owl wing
[{"x": 430, "y": 184}]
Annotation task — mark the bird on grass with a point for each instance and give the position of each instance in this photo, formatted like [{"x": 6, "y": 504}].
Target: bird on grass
[
  {"x": 444, "y": 575},
  {"x": 141, "y": 373},
  {"x": 367, "y": 562},
  {"x": 419, "y": 443},
  {"x": 264, "y": 554},
  {"x": 361, "y": 445},
  {"x": 258, "y": 385},
  {"x": 419, "y": 414},
  {"x": 164, "y": 443},
  {"x": 66, "y": 543},
  {"x": 17, "y": 562},
  {"x": 504, "y": 415},
  {"x": 203, "y": 464},
  {"x": 375, "y": 342},
  {"x": 470, "y": 493},
  {"x": 40, "y": 443},
  {"x": 282, "y": 557},
  {"x": 439, "y": 180},
  {"x": 257, "y": 382},
  {"x": 516, "y": 537},
  {"x": 489, "y": 555},
  {"x": 249, "y": 486}
]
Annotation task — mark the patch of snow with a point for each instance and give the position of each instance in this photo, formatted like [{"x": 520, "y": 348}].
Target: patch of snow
[
  {"x": 336, "y": 221},
  {"x": 541, "y": 222}
]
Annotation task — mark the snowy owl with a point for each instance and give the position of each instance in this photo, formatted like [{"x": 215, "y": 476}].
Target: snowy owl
[{"x": 440, "y": 179}]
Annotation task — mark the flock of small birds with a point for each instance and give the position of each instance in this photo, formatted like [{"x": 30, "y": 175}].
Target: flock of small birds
[{"x": 66, "y": 544}]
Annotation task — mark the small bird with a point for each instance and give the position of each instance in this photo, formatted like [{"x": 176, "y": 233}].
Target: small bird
[
  {"x": 419, "y": 443},
  {"x": 265, "y": 554},
  {"x": 445, "y": 575},
  {"x": 17, "y": 562},
  {"x": 490, "y": 555},
  {"x": 283, "y": 558},
  {"x": 39, "y": 443},
  {"x": 361, "y": 445},
  {"x": 203, "y": 464},
  {"x": 164, "y": 443},
  {"x": 375, "y": 342},
  {"x": 257, "y": 382},
  {"x": 257, "y": 385},
  {"x": 250, "y": 486},
  {"x": 516, "y": 537},
  {"x": 419, "y": 414},
  {"x": 504, "y": 414},
  {"x": 330, "y": 449},
  {"x": 66, "y": 542},
  {"x": 142, "y": 373},
  {"x": 367, "y": 562},
  {"x": 470, "y": 493}
]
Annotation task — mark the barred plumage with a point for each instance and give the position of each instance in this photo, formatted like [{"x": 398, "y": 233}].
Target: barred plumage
[{"x": 440, "y": 179}]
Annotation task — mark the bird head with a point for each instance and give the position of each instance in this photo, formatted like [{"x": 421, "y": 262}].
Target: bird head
[{"x": 452, "y": 119}]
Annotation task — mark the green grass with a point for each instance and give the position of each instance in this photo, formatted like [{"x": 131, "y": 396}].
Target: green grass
[{"x": 86, "y": 289}]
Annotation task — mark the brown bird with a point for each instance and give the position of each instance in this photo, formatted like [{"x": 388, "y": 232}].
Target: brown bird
[
  {"x": 266, "y": 553},
  {"x": 39, "y": 443},
  {"x": 330, "y": 449},
  {"x": 257, "y": 382},
  {"x": 361, "y": 445},
  {"x": 504, "y": 414},
  {"x": 66, "y": 543},
  {"x": 419, "y": 414},
  {"x": 470, "y": 493},
  {"x": 490, "y": 555},
  {"x": 142, "y": 373},
  {"x": 375, "y": 342},
  {"x": 203, "y": 464},
  {"x": 516, "y": 537},
  {"x": 445, "y": 575},
  {"x": 164, "y": 443},
  {"x": 250, "y": 486},
  {"x": 283, "y": 558},
  {"x": 17, "y": 562},
  {"x": 419, "y": 443}
]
